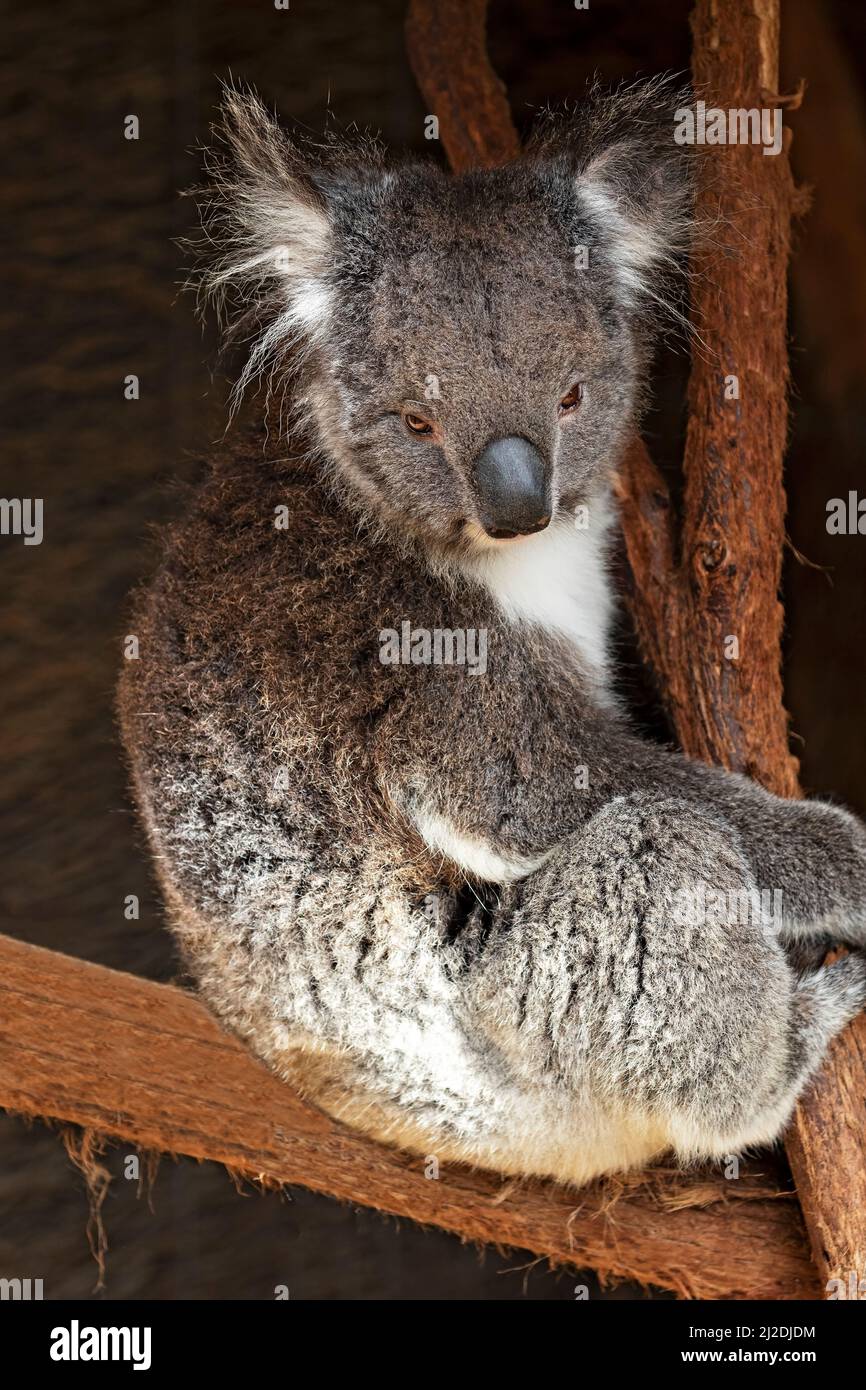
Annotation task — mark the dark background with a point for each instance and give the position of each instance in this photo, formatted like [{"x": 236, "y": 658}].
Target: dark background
[{"x": 92, "y": 295}]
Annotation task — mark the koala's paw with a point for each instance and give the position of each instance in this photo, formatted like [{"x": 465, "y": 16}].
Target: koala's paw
[
  {"x": 837, "y": 841},
  {"x": 807, "y": 954},
  {"x": 844, "y": 983}
]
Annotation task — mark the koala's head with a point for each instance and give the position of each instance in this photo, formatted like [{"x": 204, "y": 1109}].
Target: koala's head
[{"x": 470, "y": 349}]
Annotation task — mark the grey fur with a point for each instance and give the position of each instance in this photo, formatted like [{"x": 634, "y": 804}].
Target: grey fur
[{"x": 563, "y": 1016}]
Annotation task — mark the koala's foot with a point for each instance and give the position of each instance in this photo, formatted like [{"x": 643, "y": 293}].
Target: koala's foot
[
  {"x": 806, "y": 954},
  {"x": 827, "y": 846},
  {"x": 823, "y": 1002},
  {"x": 827, "y": 1000}
]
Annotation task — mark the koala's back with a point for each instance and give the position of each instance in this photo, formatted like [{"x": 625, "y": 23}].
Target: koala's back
[
  {"x": 245, "y": 719},
  {"x": 258, "y": 672}
]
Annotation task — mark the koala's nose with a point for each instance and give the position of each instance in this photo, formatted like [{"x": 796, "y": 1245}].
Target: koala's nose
[{"x": 512, "y": 488}]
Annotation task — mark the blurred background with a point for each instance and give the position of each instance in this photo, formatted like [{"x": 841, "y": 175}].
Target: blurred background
[{"x": 92, "y": 294}]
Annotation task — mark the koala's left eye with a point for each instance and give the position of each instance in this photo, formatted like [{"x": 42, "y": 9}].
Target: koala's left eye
[
  {"x": 572, "y": 399},
  {"x": 416, "y": 424}
]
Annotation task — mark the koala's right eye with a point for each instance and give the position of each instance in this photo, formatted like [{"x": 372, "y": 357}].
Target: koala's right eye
[
  {"x": 569, "y": 403},
  {"x": 416, "y": 424}
]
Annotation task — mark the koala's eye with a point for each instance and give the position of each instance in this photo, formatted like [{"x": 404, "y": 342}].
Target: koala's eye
[
  {"x": 416, "y": 424},
  {"x": 572, "y": 399}
]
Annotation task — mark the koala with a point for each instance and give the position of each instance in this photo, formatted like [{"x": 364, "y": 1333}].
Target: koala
[{"x": 412, "y": 848}]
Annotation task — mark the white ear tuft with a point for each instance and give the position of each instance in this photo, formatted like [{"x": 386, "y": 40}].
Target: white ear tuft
[
  {"x": 633, "y": 182},
  {"x": 633, "y": 249},
  {"x": 265, "y": 254}
]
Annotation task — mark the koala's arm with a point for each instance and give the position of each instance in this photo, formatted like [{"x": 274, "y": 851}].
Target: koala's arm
[{"x": 505, "y": 786}]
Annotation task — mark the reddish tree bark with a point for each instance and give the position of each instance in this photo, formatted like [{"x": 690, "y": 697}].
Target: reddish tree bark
[
  {"x": 447, "y": 47},
  {"x": 149, "y": 1065}
]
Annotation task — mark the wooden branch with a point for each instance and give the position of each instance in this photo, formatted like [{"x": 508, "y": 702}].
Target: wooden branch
[
  {"x": 147, "y": 1064},
  {"x": 447, "y": 45},
  {"x": 732, "y": 712},
  {"x": 827, "y": 1144},
  {"x": 735, "y": 517},
  {"x": 721, "y": 581},
  {"x": 721, "y": 584}
]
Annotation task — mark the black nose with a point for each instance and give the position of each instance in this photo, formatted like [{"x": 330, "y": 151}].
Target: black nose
[{"x": 512, "y": 488}]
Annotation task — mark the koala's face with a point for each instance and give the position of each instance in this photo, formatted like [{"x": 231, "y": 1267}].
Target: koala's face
[
  {"x": 472, "y": 348},
  {"x": 478, "y": 375}
]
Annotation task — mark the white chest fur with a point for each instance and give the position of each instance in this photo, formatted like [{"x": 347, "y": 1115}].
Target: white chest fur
[{"x": 557, "y": 579}]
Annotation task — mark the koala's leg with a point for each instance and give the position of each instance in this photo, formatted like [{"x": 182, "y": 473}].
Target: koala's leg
[{"x": 697, "y": 1029}]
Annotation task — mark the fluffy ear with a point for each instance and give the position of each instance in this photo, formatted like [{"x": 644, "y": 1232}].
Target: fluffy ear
[
  {"x": 634, "y": 184},
  {"x": 264, "y": 256}
]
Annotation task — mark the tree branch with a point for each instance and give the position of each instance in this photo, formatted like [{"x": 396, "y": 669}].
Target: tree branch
[
  {"x": 147, "y": 1064},
  {"x": 734, "y": 519},
  {"x": 727, "y": 709},
  {"x": 447, "y": 45}
]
